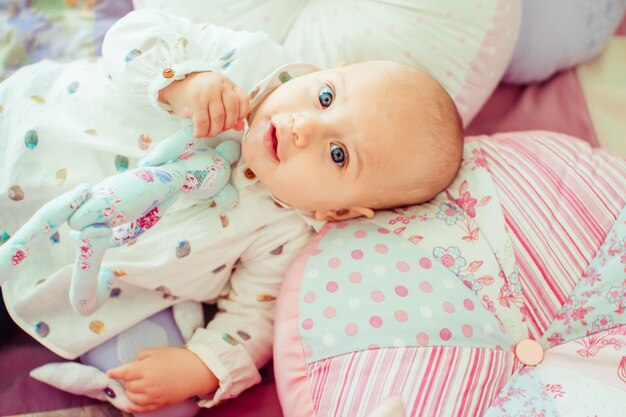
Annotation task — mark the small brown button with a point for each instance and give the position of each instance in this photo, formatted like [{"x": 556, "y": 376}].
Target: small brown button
[
  {"x": 249, "y": 174},
  {"x": 168, "y": 73}
]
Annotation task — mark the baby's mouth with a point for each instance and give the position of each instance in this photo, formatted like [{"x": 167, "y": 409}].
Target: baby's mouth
[{"x": 270, "y": 142}]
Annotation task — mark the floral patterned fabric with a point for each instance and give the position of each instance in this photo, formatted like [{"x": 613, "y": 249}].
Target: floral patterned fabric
[
  {"x": 599, "y": 300},
  {"x": 584, "y": 370}
]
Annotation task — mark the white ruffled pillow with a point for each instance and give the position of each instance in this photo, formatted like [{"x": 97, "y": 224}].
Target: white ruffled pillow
[{"x": 466, "y": 45}]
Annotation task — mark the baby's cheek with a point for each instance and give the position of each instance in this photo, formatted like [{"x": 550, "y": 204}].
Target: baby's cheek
[{"x": 247, "y": 148}]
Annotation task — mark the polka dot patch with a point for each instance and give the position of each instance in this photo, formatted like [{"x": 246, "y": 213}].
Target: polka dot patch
[
  {"x": 42, "y": 328},
  {"x": 183, "y": 248},
  {"x": 16, "y": 193},
  {"x": 377, "y": 296},
  {"x": 31, "y": 139},
  {"x": 403, "y": 266},
  {"x": 144, "y": 141},
  {"x": 72, "y": 87},
  {"x": 307, "y": 324},
  {"x": 369, "y": 287},
  {"x": 97, "y": 327},
  {"x": 121, "y": 163},
  {"x": 61, "y": 176}
]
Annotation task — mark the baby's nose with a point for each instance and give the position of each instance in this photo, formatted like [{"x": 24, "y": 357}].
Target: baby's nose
[{"x": 306, "y": 128}]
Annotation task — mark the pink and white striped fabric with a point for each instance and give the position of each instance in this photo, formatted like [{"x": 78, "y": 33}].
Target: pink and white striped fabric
[
  {"x": 560, "y": 198},
  {"x": 373, "y": 309},
  {"x": 467, "y": 380}
]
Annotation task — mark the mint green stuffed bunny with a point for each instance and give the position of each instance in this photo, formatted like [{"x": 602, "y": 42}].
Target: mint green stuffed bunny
[{"x": 122, "y": 207}]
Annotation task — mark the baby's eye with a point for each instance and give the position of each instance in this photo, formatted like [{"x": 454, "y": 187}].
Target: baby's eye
[
  {"x": 326, "y": 96},
  {"x": 338, "y": 154}
]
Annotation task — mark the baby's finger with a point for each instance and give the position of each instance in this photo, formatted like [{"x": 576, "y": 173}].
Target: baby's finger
[
  {"x": 138, "y": 409},
  {"x": 239, "y": 125},
  {"x": 200, "y": 122},
  {"x": 141, "y": 401},
  {"x": 123, "y": 373},
  {"x": 136, "y": 386},
  {"x": 231, "y": 106},
  {"x": 217, "y": 116},
  {"x": 244, "y": 103},
  {"x": 144, "y": 353}
]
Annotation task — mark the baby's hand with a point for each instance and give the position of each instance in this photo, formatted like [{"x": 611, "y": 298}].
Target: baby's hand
[
  {"x": 213, "y": 102},
  {"x": 163, "y": 377}
]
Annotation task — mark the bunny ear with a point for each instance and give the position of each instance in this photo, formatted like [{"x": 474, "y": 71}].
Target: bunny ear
[
  {"x": 84, "y": 380},
  {"x": 391, "y": 407}
]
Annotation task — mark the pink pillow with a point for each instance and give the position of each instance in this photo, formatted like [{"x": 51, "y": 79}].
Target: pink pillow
[
  {"x": 557, "y": 104},
  {"x": 429, "y": 302}
]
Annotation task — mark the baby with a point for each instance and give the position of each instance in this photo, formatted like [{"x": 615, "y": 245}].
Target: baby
[
  {"x": 332, "y": 144},
  {"x": 360, "y": 137},
  {"x": 355, "y": 138}
]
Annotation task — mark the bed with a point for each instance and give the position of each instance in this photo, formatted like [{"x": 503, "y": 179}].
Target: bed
[{"x": 585, "y": 101}]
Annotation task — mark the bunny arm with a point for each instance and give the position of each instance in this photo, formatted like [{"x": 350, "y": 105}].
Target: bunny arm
[
  {"x": 169, "y": 148},
  {"x": 182, "y": 140}
]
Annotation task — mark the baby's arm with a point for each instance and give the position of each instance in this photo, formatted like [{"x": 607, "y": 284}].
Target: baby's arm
[
  {"x": 147, "y": 50},
  {"x": 222, "y": 360},
  {"x": 238, "y": 341},
  {"x": 163, "y": 377}
]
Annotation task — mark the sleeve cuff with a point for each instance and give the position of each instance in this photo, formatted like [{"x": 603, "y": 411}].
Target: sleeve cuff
[
  {"x": 230, "y": 363},
  {"x": 168, "y": 75}
]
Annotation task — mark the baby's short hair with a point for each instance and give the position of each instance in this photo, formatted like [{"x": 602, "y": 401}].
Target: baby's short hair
[{"x": 435, "y": 126}]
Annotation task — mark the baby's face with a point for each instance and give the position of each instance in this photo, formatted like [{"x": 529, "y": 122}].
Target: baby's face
[{"x": 321, "y": 142}]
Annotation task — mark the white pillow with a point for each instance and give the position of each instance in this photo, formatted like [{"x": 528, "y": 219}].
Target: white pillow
[{"x": 465, "y": 44}]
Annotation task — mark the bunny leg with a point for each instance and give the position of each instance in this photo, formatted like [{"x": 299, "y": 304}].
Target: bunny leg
[
  {"x": 127, "y": 232},
  {"x": 91, "y": 284},
  {"x": 39, "y": 228},
  {"x": 227, "y": 198}
]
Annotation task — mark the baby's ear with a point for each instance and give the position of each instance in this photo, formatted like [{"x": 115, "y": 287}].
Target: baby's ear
[{"x": 343, "y": 214}]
